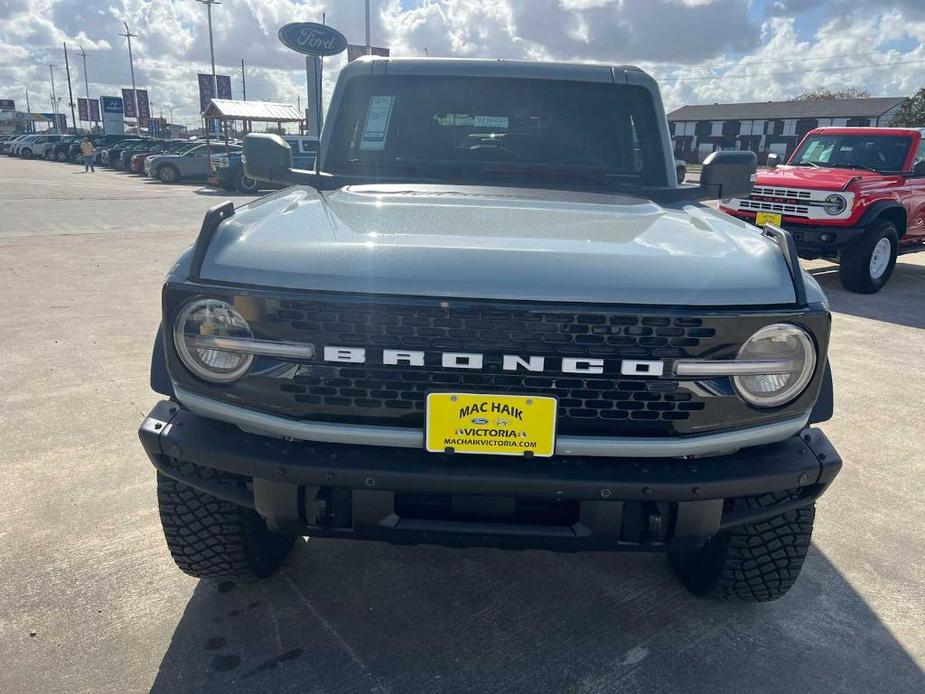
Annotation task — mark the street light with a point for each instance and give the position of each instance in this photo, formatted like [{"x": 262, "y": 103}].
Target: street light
[{"x": 208, "y": 4}]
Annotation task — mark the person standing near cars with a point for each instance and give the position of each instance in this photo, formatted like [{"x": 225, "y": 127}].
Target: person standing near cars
[{"x": 87, "y": 151}]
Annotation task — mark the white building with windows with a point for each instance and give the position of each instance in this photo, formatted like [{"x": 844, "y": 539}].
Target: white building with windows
[{"x": 769, "y": 126}]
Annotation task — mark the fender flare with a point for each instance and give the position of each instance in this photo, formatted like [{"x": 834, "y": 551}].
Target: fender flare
[
  {"x": 825, "y": 403},
  {"x": 873, "y": 212},
  {"x": 160, "y": 378}
]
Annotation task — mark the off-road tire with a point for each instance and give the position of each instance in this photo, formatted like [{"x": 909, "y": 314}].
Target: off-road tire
[
  {"x": 168, "y": 173},
  {"x": 854, "y": 267},
  {"x": 212, "y": 538},
  {"x": 751, "y": 563}
]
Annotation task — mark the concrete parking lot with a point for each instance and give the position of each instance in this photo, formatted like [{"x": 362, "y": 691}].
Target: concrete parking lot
[{"x": 92, "y": 602}]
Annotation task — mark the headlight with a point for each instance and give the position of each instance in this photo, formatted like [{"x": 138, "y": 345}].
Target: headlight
[
  {"x": 835, "y": 204},
  {"x": 795, "y": 354},
  {"x": 210, "y": 318}
]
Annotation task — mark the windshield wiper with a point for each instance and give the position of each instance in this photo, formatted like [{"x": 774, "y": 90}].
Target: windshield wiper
[
  {"x": 854, "y": 166},
  {"x": 809, "y": 163}
]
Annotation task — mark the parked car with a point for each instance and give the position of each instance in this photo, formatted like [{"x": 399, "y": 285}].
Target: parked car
[
  {"x": 228, "y": 169},
  {"x": 7, "y": 146},
  {"x": 457, "y": 335},
  {"x": 36, "y": 149},
  {"x": 191, "y": 164},
  {"x": 58, "y": 152},
  {"x": 120, "y": 162},
  {"x": 20, "y": 142},
  {"x": 136, "y": 163},
  {"x": 855, "y": 196},
  {"x": 100, "y": 143},
  {"x": 110, "y": 156}
]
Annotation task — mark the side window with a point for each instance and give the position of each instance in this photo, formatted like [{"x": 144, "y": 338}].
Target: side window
[{"x": 920, "y": 152}]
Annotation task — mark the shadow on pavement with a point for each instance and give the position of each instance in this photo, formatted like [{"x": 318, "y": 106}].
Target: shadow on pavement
[
  {"x": 900, "y": 301},
  {"x": 353, "y": 616}
]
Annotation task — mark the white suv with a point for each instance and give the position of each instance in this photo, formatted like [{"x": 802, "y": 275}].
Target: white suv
[{"x": 35, "y": 147}]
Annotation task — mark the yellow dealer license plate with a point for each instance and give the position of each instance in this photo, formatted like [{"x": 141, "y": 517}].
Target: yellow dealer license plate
[
  {"x": 763, "y": 218},
  {"x": 492, "y": 424}
]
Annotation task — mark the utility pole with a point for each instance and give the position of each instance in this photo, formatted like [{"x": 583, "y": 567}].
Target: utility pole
[
  {"x": 243, "y": 81},
  {"x": 131, "y": 66},
  {"x": 83, "y": 54},
  {"x": 54, "y": 99},
  {"x": 70, "y": 94},
  {"x": 369, "y": 45}
]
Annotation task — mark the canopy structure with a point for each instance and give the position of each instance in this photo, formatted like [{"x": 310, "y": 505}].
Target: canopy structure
[{"x": 229, "y": 109}]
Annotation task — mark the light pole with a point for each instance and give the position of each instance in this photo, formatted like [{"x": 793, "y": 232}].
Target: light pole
[
  {"x": 369, "y": 46},
  {"x": 208, "y": 4},
  {"x": 83, "y": 54},
  {"x": 54, "y": 99},
  {"x": 131, "y": 66}
]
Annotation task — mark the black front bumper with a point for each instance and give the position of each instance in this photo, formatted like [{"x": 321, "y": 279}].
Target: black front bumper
[
  {"x": 410, "y": 496},
  {"x": 822, "y": 241}
]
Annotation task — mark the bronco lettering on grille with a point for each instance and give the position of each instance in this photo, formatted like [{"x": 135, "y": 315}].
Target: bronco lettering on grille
[{"x": 509, "y": 362}]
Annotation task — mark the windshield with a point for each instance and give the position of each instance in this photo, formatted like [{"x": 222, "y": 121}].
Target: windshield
[
  {"x": 465, "y": 128},
  {"x": 873, "y": 152}
]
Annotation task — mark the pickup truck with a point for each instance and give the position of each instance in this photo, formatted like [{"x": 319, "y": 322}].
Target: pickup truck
[
  {"x": 855, "y": 196},
  {"x": 492, "y": 317}
]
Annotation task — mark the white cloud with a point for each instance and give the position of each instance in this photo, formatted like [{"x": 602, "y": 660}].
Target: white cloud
[{"x": 701, "y": 50}]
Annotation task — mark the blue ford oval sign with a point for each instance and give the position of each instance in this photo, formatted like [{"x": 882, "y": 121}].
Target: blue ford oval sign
[{"x": 312, "y": 39}]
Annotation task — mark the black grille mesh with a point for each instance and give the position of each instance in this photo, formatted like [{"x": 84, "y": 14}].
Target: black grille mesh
[{"x": 605, "y": 402}]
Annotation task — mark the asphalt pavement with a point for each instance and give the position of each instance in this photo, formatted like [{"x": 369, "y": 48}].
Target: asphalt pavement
[{"x": 92, "y": 602}]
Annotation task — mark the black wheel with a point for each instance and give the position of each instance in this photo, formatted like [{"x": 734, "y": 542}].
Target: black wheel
[
  {"x": 751, "y": 563},
  {"x": 682, "y": 174},
  {"x": 211, "y": 538},
  {"x": 168, "y": 173},
  {"x": 25, "y": 153},
  {"x": 247, "y": 184},
  {"x": 48, "y": 156},
  {"x": 62, "y": 156},
  {"x": 866, "y": 265}
]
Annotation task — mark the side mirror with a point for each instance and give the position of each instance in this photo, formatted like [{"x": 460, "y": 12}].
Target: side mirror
[
  {"x": 919, "y": 168},
  {"x": 729, "y": 174},
  {"x": 267, "y": 158},
  {"x": 773, "y": 160}
]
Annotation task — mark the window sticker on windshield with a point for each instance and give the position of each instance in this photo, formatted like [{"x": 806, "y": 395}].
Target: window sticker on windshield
[
  {"x": 377, "y": 122},
  {"x": 491, "y": 122}
]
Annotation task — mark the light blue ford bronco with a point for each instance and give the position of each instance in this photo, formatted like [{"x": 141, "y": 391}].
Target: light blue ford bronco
[{"x": 491, "y": 316}]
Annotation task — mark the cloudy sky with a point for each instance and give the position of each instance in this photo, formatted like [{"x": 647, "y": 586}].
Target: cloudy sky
[{"x": 702, "y": 51}]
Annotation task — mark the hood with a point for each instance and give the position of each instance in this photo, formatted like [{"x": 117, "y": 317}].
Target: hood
[
  {"x": 495, "y": 242},
  {"x": 815, "y": 178}
]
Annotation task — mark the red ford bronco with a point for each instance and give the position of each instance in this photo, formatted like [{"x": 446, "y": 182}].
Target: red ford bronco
[{"x": 855, "y": 196}]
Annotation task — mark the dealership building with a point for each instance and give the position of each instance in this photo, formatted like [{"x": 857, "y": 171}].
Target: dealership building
[{"x": 769, "y": 126}]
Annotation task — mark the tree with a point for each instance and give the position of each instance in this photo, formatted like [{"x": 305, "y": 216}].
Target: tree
[
  {"x": 912, "y": 112},
  {"x": 823, "y": 94}
]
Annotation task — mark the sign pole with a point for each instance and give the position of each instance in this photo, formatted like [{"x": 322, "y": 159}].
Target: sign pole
[
  {"x": 83, "y": 54},
  {"x": 54, "y": 99},
  {"x": 70, "y": 94},
  {"x": 369, "y": 45},
  {"x": 131, "y": 66}
]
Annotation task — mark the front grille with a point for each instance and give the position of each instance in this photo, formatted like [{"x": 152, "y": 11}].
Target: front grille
[{"x": 395, "y": 395}]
